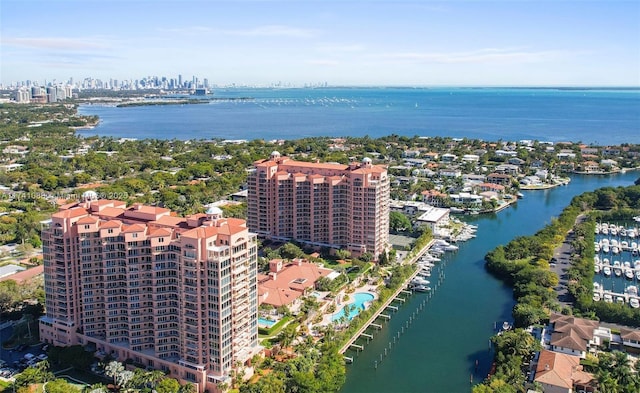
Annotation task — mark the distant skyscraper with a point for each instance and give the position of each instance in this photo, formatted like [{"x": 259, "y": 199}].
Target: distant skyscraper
[
  {"x": 179, "y": 80},
  {"x": 322, "y": 205}
]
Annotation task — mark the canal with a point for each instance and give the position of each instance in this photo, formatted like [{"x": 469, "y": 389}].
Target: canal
[{"x": 440, "y": 342}]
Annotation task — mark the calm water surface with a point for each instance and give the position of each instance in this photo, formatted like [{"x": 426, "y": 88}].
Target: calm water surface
[
  {"x": 437, "y": 353},
  {"x": 591, "y": 116}
]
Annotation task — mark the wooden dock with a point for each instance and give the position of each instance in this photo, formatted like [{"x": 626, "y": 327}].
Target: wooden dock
[{"x": 383, "y": 307}]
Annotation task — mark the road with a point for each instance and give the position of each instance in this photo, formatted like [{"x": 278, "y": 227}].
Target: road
[{"x": 562, "y": 263}]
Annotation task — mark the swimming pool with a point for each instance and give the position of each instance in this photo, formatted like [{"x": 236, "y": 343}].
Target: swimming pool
[
  {"x": 265, "y": 322},
  {"x": 357, "y": 305}
]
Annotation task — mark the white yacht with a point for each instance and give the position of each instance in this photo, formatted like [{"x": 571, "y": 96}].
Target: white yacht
[
  {"x": 617, "y": 268},
  {"x": 606, "y": 270},
  {"x": 634, "y": 303},
  {"x": 419, "y": 281},
  {"x": 628, "y": 273},
  {"x": 596, "y": 296},
  {"x": 608, "y": 298}
]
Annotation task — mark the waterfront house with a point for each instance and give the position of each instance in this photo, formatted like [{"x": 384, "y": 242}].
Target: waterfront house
[
  {"x": 497, "y": 188},
  {"x": 572, "y": 335},
  {"x": 591, "y": 167},
  {"x": 562, "y": 373},
  {"x": 630, "y": 339},
  {"x": 499, "y": 178},
  {"x": 467, "y": 199}
]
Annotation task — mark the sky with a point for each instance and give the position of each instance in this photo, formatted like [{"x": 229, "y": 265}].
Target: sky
[{"x": 346, "y": 42}]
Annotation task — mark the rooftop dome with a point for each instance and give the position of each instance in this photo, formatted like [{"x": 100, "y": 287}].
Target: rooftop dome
[
  {"x": 366, "y": 160},
  {"x": 275, "y": 154},
  {"x": 214, "y": 211}
]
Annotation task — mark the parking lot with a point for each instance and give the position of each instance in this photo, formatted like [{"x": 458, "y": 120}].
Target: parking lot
[{"x": 18, "y": 358}]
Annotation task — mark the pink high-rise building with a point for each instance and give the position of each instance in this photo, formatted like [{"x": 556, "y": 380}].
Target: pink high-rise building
[
  {"x": 170, "y": 293},
  {"x": 321, "y": 204}
]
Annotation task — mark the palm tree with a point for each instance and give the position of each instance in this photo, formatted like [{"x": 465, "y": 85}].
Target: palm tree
[
  {"x": 154, "y": 377},
  {"x": 191, "y": 388},
  {"x": 113, "y": 369}
]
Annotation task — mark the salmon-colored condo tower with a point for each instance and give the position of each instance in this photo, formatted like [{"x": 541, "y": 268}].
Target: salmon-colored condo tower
[
  {"x": 138, "y": 283},
  {"x": 321, "y": 204}
]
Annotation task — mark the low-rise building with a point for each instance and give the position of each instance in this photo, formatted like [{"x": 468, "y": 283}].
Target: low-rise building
[
  {"x": 499, "y": 178},
  {"x": 434, "y": 218},
  {"x": 562, "y": 373},
  {"x": 286, "y": 283}
]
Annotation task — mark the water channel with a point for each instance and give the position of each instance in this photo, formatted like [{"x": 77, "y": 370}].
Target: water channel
[{"x": 440, "y": 341}]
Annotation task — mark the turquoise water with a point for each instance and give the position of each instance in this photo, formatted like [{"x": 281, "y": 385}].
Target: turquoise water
[
  {"x": 265, "y": 322},
  {"x": 357, "y": 305},
  {"x": 587, "y": 115},
  {"x": 437, "y": 353}
]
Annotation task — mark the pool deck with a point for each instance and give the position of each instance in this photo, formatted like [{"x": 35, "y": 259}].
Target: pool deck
[{"x": 370, "y": 289}]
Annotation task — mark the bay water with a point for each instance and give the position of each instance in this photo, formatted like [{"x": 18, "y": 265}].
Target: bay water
[{"x": 592, "y": 116}]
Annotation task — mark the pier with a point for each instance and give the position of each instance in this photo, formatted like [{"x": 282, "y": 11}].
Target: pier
[{"x": 395, "y": 296}]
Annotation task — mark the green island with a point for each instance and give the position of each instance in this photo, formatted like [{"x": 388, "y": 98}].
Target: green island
[
  {"x": 189, "y": 101},
  {"x": 46, "y": 164}
]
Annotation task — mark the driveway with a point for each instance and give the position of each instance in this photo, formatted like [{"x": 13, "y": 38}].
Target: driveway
[{"x": 561, "y": 263}]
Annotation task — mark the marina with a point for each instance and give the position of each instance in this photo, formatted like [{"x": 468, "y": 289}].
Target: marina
[
  {"x": 617, "y": 264},
  {"x": 415, "y": 283}
]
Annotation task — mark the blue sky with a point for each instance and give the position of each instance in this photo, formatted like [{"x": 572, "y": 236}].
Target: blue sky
[{"x": 418, "y": 43}]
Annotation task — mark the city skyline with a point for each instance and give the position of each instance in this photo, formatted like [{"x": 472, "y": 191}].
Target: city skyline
[{"x": 587, "y": 43}]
